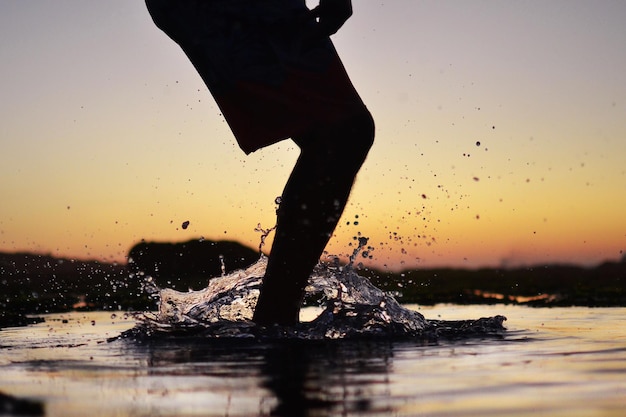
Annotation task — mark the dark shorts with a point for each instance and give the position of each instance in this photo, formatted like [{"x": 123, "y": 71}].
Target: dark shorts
[{"x": 270, "y": 74}]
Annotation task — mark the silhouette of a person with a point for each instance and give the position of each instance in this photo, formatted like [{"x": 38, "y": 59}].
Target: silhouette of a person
[{"x": 275, "y": 74}]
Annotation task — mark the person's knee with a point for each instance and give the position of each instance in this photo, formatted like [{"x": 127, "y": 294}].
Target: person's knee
[
  {"x": 358, "y": 136},
  {"x": 348, "y": 140},
  {"x": 367, "y": 130}
]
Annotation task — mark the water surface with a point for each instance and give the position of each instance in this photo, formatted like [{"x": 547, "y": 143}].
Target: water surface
[{"x": 556, "y": 362}]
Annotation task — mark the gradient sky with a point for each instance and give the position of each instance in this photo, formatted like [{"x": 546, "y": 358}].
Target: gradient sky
[{"x": 501, "y": 134}]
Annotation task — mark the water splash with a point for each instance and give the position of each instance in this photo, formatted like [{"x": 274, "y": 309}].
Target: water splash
[
  {"x": 222, "y": 264},
  {"x": 351, "y": 308},
  {"x": 264, "y": 234}
]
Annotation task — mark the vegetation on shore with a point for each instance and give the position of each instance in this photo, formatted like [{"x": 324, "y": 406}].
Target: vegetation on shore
[{"x": 32, "y": 284}]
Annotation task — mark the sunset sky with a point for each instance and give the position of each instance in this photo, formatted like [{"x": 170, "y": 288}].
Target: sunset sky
[{"x": 501, "y": 134}]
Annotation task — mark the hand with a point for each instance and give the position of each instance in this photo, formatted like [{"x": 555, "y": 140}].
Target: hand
[{"x": 332, "y": 14}]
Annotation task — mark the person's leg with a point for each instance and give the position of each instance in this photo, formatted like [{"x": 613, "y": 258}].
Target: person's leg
[{"x": 312, "y": 203}]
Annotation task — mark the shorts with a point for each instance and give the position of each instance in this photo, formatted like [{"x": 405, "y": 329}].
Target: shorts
[{"x": 272, "y": 77}]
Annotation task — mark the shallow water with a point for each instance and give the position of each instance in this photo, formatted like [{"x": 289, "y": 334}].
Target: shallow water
[{"x": 556, "y": 362}]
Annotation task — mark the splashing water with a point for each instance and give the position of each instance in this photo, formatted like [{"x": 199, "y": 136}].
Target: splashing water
[
  {"x": 352, "y": 308},
  {"x": 264, "y": 234}
]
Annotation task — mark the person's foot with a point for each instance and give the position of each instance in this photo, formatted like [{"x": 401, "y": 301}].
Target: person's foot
[{"x": 280, "y": 310}]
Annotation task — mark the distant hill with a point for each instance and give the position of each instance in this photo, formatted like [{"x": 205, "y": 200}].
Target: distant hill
[
  {"x": 37, "y": 284},
  {"x": 188, "y": 265},
  {"x": 549, "y": 285}
]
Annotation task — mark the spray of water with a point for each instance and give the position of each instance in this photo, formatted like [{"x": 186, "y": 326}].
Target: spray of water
[
  {"x": 264, "y": 234},
  {"x": 351, "y": 308}
]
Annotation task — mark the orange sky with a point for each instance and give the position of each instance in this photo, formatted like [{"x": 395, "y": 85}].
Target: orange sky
[{"x": 109, "y": 136}]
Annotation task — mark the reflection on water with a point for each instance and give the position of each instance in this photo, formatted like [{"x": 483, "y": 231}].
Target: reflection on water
[
  {"x": 562, "y": 361},
  {"x": 288, "y": 378}
]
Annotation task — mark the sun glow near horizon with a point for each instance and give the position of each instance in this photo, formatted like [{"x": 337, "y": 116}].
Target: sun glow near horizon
[{"x": 500, "y": 135}]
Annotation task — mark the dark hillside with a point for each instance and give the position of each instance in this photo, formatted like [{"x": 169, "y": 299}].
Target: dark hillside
[
  {"x": 552, "y": 285},
  {"x": 33, "y": 284},
  {"x": 39, "y": 284},
  {"x": 188, "y": 265}
]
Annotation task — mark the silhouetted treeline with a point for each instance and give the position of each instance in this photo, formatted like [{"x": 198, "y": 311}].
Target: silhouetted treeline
[
  {"x": 37, "y": 284},
  {"x": 188, "y": 265},
  {"x": 551, "y": 285}
]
